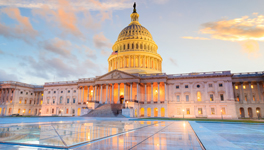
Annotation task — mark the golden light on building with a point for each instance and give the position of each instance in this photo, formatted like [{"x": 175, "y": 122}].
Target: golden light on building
[
  {"x": 135, "y": 50},
  {"x": 252, "y": 86},
  {"x": 236, "y": 87},
  {"x": 244, "y": 87}
]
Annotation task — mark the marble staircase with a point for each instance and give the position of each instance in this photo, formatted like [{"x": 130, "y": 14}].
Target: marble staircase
[{"x": 106, "y": 110}]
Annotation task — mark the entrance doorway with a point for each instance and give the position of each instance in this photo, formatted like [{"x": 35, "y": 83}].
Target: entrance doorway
[
  {"x": 250, "y": 114},
  {"x": 121, "y": 99},
  {"x": 242, "y": 113}
]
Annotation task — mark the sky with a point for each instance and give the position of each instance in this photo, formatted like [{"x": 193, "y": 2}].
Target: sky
[{"x": 47, "y": 41}]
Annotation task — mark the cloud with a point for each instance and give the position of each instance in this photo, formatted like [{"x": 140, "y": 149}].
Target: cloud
[
  {"x": 160, "y": 1},
  {"x": 245, "y": 30},
  {"x": 64, "y": 15},
  {"x": 238, "y": 29},
  {"x": 76, "y": 4},
  {"x": 7, "y": 77},
  {"x": 195, "y": 38},
  {"x": 57, "y": 46},
  {"x": 100, "y": 41},
  {"x": 105, "y": 53},
  {"x": 173, "y": 61},
  {"x": 23, "y": 30}
]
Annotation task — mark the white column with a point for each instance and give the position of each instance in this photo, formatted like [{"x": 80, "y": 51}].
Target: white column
[
  {"x": 259, "y": 93},
  {"x": 82, "y": 95},
  {"x": 118, "y": 100},
  {"x": 152, "y": 93},
  {"x": 93, "y": 98},
  {"x": 88, "y": 93},
  {"x": 242, "y": 93},
  {"x": 165, "y": 92},
  {"x": 125, "y": 93},
  {"x": 138, "y": 93},
  {"x": 113, "y": 88},
  {"x": 96, "y": 96},
  {"x": 131, "y": 87},
  {"x": 101, "y": 91},
  {"x": 159, "y": 92},
  {"x": 106, "y": 94},
  {"x": 146, "y": 93}
]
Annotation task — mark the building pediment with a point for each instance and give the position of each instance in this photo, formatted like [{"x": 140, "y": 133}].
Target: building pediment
[{"x": 117, "y": 75}]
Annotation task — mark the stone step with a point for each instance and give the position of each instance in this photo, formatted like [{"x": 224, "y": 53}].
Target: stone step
[{"x": 106, "y": 110}]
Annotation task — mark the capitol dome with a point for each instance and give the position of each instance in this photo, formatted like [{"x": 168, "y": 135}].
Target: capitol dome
[{"x": 135, "y": 50}]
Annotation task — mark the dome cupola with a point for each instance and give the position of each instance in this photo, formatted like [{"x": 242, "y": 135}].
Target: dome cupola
[{"x": 135, "y": 50}]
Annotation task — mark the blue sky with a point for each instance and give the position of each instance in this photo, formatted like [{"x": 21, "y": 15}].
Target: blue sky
[{"x": 45, "y": 41}]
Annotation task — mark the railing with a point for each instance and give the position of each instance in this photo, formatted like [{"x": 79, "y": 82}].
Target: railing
[
  {"x": 199, "y": 74},
  {"x": 250, "y": 73},
  {"x": 21, "y": 84},
  {"x": 61, "y": 82},
  {"x": 86, "y": 79}
]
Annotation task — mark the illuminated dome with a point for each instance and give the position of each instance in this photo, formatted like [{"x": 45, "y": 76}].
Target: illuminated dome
[{"x": 135, "y": 50}]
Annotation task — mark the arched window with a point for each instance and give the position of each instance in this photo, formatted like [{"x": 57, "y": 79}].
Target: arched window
[
  {"x": 127, "y": 46},
  {"x": 149, "y": 112},
  {"x": 156, "y": 111},
  {"x": 132, "y": 46},
  {"x": 60, "y": 99},
  {"x": 162, "y": 112},
  {"x": 136, "y": 46},
  {"x": 199, "y": 96},
  {"x": 142, "y": 112}
]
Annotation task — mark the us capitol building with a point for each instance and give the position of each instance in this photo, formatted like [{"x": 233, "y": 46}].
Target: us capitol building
[{"x": 135, "y": 81}]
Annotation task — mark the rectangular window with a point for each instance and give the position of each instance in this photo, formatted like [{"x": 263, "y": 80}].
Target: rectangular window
[
  {"x": 47, "y": 101},
  {"x": 210, "y": 85},
  {"x": 222, "y": 97},
  {"x": 61, "y": 91},
  {"x": 73, "y": 100},
  {"x": 178, "y": 98},
  {"x": 177, "y": 86},
  {"x": 223, "y": 110},
  {"x": 69, "y": 91},
  {"x": 212, "y": 111},
  {"x": 48, "y": 92},
  {"x": 53, "y": 101},
  {"x": 25, "y": 101},
  {"x": 211, "y": 97},
  {"x": 53, "y": 111},
  {"x": 19, "y": 101},
  {"x": 245, "y": 97},
  {"x": 68, "y": 100},
  {"x": 26, "y": 93},
  {"x": 220, "y": 85},
  {"x": 54, "y": 92},
  {"x": 237, "y": 98},
  {"x": 186, "y": 86},
  {"x": 254, "y": 98},
  {"x": 188, "y": 111},
  {"x": 74, "y": 91},
  {"x": 187, "y": 98},
  {"x": 200, "y": 111}
]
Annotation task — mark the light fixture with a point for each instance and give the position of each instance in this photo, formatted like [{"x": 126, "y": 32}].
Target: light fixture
[
  {"x": 183, "y": 110},
  {"x": 86, "y": 102},
  {"x": 156, "y": 91}
]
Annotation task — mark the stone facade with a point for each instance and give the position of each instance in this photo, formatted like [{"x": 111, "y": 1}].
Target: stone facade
[{"x": 192, "y": 95}]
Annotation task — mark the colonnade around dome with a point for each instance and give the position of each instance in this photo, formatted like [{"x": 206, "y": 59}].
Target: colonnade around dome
[{"x": 136, "y": 61}]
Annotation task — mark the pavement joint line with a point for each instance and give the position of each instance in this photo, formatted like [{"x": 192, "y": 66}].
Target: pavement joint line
[
  {"x": 149, "y": 136},
  {"x": 59, "y": 136},
  {"x": 110, "y": 136},
  {"x": 198, "y": 139}
]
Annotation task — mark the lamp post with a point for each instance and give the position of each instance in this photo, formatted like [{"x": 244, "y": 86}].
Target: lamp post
[
  {"x": 183, "y": 113},
  {"x": 222, "y": 114},
  {"x": 258, "y": 114},
  {"x": 127, "y": 104}
]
